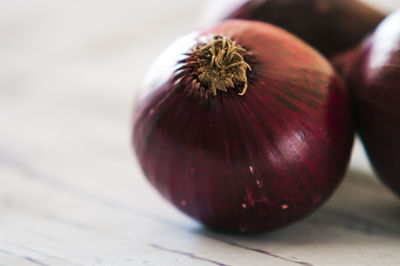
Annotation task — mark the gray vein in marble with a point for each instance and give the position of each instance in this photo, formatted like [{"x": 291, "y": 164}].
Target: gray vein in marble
[{"x": 188, "y": 254}]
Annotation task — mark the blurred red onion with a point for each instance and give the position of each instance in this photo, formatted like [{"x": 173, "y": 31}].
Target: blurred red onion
[
  {"x": 372, "y": 72},
  {"x": 331, "y": 26}
]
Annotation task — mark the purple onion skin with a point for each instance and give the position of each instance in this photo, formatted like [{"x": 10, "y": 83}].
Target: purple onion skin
[
  {"x": 248, "y": 163},
  {"x": 331, "y": 26},
  {"x": 372, "y": 72}
]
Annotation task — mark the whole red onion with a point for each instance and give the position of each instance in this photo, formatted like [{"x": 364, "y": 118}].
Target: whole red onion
[
  {"x": 331, "y": 26},
  {"x": 372, "y": 72},
  {"x": 243, "y": 127}
]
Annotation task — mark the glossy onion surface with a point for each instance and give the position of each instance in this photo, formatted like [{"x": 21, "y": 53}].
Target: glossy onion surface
[
  {"x": 372, "y": 72},
  {"x": 331, "y": 26},
  {"x": 247, "y": 163}
]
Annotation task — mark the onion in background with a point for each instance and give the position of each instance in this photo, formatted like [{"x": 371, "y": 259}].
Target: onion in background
[
  {"x": 372, "y": 73},
  {"x": 331, "y": 26}
]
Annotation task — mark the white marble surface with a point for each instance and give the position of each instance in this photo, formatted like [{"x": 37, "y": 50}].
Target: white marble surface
[{"x": 70, "y": 191}]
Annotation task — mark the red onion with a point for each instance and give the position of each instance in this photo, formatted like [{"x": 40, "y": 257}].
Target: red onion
[
  {"x": 331, "y": 26},
  {"x": 372, "y": 72},
  {"x": 243, "y": 127}
]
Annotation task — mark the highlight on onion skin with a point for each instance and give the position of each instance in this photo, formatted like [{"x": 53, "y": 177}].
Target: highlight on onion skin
[
  {"x": 236, "y": 159},
  {"x": 331, "y": 26},
  {"x": 372, "y": 72}
]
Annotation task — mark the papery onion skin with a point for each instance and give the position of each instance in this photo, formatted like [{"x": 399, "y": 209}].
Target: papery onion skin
[
  {"x": 331, "y": 26},
  {"x": 248, "y": 163},
  {"x": 372, "y": 72}
]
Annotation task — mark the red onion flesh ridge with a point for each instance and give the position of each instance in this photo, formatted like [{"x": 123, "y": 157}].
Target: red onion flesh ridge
[
  {"x": 251, "y": 162},
  {"x": 331, "y": 26},
  {"x": 372, "y": 72}
]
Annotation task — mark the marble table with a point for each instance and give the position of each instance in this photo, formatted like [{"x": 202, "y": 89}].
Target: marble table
[{"x": 71, "y": 192}]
